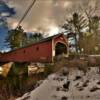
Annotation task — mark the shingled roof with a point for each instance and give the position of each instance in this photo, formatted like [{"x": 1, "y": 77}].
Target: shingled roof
[
  {"x": 48, "y": 38},
  {"x": 40, "y": 41}
]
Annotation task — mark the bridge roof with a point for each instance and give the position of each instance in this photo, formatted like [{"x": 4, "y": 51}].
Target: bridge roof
[{"x": 41, "y": 41}]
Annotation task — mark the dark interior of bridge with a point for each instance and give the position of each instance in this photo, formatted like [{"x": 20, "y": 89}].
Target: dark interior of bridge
[{"x": 60, "y": 48}]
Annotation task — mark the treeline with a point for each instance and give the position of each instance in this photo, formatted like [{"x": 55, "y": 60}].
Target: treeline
[
  {"x": 17, "y": 38},
  {"x": 84, "y": 21}
]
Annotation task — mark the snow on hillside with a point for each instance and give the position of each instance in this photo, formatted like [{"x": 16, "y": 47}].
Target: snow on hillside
[{"x": 68, "y": 84}]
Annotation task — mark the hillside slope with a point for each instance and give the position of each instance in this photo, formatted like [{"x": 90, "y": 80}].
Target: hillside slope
[{"x": 68, "y": 84}]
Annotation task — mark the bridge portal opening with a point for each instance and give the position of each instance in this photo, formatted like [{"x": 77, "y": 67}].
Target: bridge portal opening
[{"x": 60, "y": 49}]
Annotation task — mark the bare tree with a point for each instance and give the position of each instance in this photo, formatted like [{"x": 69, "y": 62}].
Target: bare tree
[{"x": 85, "y": 22}]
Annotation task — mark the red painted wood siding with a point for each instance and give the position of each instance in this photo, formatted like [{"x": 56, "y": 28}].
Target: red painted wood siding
[
  {"x": 41, "y": 52},
  {"x": 60, "y": 39}
]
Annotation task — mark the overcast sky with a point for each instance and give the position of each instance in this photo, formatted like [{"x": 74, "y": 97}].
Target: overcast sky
[{"x": 45, "y": 16}]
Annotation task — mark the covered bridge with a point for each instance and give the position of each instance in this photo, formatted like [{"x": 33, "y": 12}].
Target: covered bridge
[{"x": 43, "y": 51}]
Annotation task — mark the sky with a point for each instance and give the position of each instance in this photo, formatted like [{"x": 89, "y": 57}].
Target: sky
[
  {"x": 5, "y": 12},
  {"x": 46, "y": 16}
]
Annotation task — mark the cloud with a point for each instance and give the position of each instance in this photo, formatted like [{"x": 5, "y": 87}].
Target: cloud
[{"x": 44, "y": 15}]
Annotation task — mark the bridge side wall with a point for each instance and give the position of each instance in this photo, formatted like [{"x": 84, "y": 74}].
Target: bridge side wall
[{"x": 41, "y": 52}]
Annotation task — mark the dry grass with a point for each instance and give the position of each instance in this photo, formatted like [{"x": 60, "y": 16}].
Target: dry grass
[
  {"x": 82, "y": 62},
  {"x": 11, "y": 88}
]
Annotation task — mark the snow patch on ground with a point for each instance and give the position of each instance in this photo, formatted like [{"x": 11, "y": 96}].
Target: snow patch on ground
[{"x": 68, "y": 84}]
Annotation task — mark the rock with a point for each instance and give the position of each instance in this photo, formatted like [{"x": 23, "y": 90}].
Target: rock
[
  {"x": 64, "y": 98},
  {"x": 77, "y": 78},
  {"x": 98, "y": 83},
  {"x": 66, "y": 85},
  {"x": 94, "y": 89},
  {"x": 58, "y": 89},
  {"x": 86, "y": 83},
  {"x": 65, "y": 71},
  {"x": 81, "y": 89}
]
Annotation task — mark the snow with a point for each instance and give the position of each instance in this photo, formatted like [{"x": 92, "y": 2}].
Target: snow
[{"x": 75, "y": 85}]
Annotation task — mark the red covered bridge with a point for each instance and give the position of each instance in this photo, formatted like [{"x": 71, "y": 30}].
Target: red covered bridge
[{"x": 42, "y": 51}]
